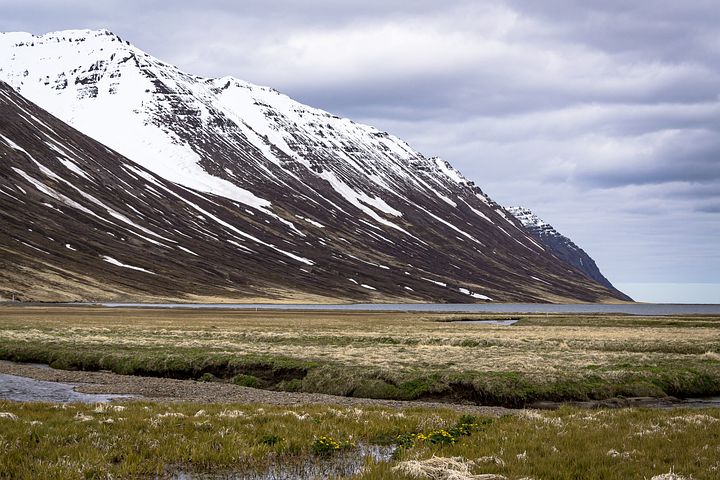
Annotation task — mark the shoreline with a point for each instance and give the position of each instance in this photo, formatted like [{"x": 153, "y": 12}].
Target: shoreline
[{"x": 624, "y": 308}]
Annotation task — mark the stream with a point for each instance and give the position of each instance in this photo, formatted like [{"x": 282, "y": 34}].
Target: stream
[{"x": 24, "y": 389}]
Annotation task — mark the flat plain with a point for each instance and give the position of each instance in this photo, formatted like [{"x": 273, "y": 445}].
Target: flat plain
[
  {"x": 381, "y": 355},
  {"x": 296, "y": 355}
]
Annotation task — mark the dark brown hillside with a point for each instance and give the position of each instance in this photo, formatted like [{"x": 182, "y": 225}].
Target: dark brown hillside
[{"x": 81, "y": 222}]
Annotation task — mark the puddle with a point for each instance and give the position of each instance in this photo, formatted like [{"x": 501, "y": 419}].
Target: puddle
[
  {"x": 488, "y": 322},
  {"x": 23, "y": 389},
  {"x": 339, "y": 465}
]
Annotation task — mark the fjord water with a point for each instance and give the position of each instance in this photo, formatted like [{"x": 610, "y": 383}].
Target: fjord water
[{"x": 628, "y": 308}]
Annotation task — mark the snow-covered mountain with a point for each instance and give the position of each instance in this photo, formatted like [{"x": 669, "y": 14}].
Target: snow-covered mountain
[
  {"x": 562, "y": 246},
  {"x": 225, "y": 189}
]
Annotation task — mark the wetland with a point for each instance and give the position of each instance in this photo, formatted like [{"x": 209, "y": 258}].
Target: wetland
[{"x": 301, "y": 394}]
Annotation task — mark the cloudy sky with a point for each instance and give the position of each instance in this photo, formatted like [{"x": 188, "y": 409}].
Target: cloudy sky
[{"x": 602, "y": 116}]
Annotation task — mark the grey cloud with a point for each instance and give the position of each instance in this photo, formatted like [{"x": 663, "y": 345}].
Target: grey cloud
[
  {"x": 713, "y": 208},
  {"x": 699, "y": 191},
  {"x": 694, "y": 157},
  {"x": 604, "y": 115},
  {"x": 659, "y": 25}
]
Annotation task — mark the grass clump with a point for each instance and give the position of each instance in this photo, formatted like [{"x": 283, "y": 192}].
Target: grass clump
[
  {"x": 246, "y": 380},
  {"x": 325, "y": 445},
  {"x": 294, "y": 385},
  {"x": 271, "y": 440},
  {"x": 465, "y": 426}
]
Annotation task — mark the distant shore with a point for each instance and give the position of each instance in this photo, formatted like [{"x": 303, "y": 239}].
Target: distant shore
[{"x": 627, "y": 308}]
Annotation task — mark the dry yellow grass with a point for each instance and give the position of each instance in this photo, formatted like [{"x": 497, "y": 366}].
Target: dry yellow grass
[
  {"x": 390, "y": 340},
  {"x": 545, "y": 348}
]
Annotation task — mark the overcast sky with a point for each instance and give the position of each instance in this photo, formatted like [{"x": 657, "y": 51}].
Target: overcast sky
[{"x": 602, "y": 116}]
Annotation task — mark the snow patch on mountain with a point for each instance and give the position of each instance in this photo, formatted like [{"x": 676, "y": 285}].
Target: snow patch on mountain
[
  {"x": 154, "y": 146},
  {"x": 118, "y": 263},
  {"x": 249, "y": 177},
  {"x": 83, "y": 75}
]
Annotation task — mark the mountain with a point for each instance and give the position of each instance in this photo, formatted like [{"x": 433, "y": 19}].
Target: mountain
[
  {"x": 183, "y": 187},
  {"x": 562, "y": 247}
]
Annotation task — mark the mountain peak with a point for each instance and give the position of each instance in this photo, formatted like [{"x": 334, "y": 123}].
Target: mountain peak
[
  {"x": 529, "y": 219},
  {"x": 288, "y": 190},
  {"x": 76, "y": 35},
  {"x": 562, "y": 246}
]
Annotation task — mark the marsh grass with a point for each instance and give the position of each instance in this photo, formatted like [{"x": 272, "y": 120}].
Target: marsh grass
[
  {"x": 146, "y": 440},
  {"x": 598, "y": 444},
  {"x": 382, "y": 355}
]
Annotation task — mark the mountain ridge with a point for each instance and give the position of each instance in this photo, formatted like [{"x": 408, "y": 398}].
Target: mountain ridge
[
  {"x": 562, "y": 246},
  {"x": 356, "y": 206}
]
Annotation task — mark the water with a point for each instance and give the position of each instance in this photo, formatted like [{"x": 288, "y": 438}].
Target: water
[
  {"x": 505, "y": 323},
  {"x": 630, "y": 308},
  {"x": 709, "y": 402},
  {"x": 636, "y": 402},
  {"x": 338, "y": 465},
  {"x": 23, "y": 389}
]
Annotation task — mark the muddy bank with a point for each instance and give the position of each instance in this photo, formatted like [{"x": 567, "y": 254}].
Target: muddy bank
[{"x": 171, "y": 390}]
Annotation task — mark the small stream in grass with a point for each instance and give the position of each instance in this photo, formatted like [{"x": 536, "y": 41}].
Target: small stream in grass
[
  {"x": 338, "y": 465},
  {"x": 709, "y": 402},
  {"x": 505, "y": 323},
  {"x": 24, "y": 389}
]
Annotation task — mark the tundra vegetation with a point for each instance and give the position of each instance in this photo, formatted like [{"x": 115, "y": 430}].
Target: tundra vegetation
[
  {"x": 383, "y": 355},
  {"x": 153, "y": 440}
]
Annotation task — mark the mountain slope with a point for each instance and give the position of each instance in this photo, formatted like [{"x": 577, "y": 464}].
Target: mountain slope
[
  {"x": 273, "y": 198},
  {"x": 562, "y": 247}
]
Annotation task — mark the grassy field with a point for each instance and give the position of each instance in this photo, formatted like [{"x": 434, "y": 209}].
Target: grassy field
[
  {"x": 146, "y": 440},
  {"x": 381, "y": 355}
]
